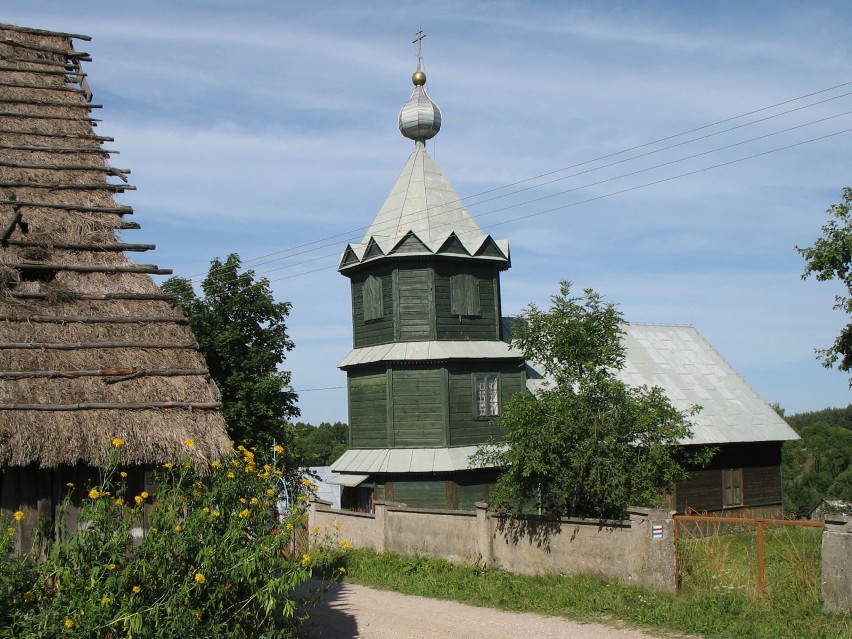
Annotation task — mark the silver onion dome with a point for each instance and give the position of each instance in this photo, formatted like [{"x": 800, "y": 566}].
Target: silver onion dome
[{"x": 420, "y": 118}]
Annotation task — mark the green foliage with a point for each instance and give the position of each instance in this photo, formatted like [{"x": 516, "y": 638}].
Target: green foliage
[
  {"x": 242, "y": 333},
  {"x": 715, "y": 612},
  {"x": 841, "y": 417},
  {"x": 588, "y": 444},
  {"x": 216, "y": 561},
  {"x": 831, "y": 258},
  {"x": 818, "y": 466},
  {"x": 318, "y": 445}
]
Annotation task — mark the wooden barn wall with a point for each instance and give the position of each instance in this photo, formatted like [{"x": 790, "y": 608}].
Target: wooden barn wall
[
  {"x": 419, "y": 398},
  {"x": 415, "y": 304},
  {"x": 453, "y": 327},
  {"x": 451, "y": 491},
  {"x": 761, "y": 479},
  {"x": 378, "y": 331},
  {"x": 368, "y": 409}
]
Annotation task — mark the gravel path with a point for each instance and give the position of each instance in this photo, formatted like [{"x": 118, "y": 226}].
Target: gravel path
[{"x": 351, "y": 611}]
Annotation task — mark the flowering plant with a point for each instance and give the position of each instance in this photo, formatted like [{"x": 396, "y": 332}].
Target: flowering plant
[{"x": 216, "y": 559}]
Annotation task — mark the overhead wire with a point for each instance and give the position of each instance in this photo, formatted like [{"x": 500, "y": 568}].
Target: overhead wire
[{"x": 325, "y": 242}]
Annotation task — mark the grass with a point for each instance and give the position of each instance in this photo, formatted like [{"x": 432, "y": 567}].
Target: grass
[{"x": 728, "y": 614}]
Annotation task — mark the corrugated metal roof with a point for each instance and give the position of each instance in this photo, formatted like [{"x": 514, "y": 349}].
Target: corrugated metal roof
[
  {"x": 680, "y": 361},
  {"x": 429, "y": 351},
  {"x": 405, "y": 460}
]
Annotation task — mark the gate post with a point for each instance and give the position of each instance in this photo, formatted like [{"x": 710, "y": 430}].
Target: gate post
[{"x": 837, "y": 563}]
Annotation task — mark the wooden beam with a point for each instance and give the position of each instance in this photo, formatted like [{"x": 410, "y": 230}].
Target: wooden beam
[
  {"x": 39, "y": 116},
  {"x": 114, "y": 406},
  {"x": 63, "y": 134},
  {"x": 103, "y": 186},
  {"x": 100, "y": 297},
  {"x": 119, "y": 246},
  {"x": 120, "y": 210},
  {"x": 50, "y": 103},
  {"x": 119, "y": 173},
  {"x": 48, "y": 71},
  {"x": 43, "y": 32},
  {"x": 68, "y": 53},
  {"x": 39, "y": 87},
  {"x": 87, "y": 319},
  {"x": 151, "y": 269},
  {"x": 123, "y": 373},
  {"x": 59, "y": 149},
  {"x": 75, "y": 346}
]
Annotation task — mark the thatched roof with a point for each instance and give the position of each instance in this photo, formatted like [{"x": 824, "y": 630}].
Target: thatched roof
[{"x": 90, "y": 348}]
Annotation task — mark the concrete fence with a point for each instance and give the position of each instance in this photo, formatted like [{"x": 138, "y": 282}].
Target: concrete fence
[{"x": 638, "y": 551}]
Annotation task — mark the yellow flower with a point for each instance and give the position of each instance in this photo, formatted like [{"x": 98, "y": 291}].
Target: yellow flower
[
  {"x": 278, "y": 448},
  {"x": 123, "y": 475},
  {"x": 315, "y": 530},
  {"x": 231, "y": 475},
  {"x": 138, "y": 499},
  {"x": 254, "y": 501},
  {"x": 306, "y": 559},
  {"x": 10, "y": 530},
  {"x": 200, "y": 578},
  {"x": 144, "y": 495},
  {"x": 19, "y": 515},
  {"x": 117, "y": 442},
  {"x": 289, "y": 526},
  {"x": 111, "y": 566},
  {"x": 178, "y": 528},
  {"x": 70, "y": 484},
  {"x": 136, "y": 590},
  {"x": 314, "y": 488},
  {"x": 243, "y": 500},
  {"x": 105, "y": 601},
  {"x": 197, "y": 613},
  {"x": 270, "y": 492},
  {"x": 305, "y": 481},
  {"x": 280, "y": 473},
  {"x": 302, "y": 498},
  {"x": 168, "y": 465},
  {"x": 94, "y": 493},
  {"x": 215, "y": 513},
  {"x": 119, "y": 501},
  {"x": 189, "y": 442},
  {"x": 244, "y": 513},
  {"x": 341, "y": 570},
  {"x": 344, "y": 544},
  {"x": 69, "y": 623},
  {"x": 206, "y": 509},
  {"x": 214, "y": 464}
]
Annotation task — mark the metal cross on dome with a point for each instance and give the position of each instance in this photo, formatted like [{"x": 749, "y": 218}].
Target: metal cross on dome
[{"x": 418, "y": 38}]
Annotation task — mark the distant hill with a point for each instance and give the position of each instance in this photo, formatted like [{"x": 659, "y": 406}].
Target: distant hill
[{"x": 819, "y": 466}]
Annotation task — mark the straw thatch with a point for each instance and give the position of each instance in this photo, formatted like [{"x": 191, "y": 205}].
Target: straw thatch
[{"x": 90, "y": 348}]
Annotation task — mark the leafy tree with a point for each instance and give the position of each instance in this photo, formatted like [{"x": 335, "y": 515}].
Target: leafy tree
[
  {"x": 242, "y": 333},
  {"x": 319, "y": 445},
  {"x": 831, "y": 258},
  {"x": 586, "y": 444}
]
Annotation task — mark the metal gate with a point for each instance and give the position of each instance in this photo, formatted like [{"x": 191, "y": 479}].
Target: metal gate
[{"x": 755, "y": 556}]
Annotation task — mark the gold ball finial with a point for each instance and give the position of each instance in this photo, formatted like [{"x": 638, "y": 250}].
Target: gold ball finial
[{"x": 419, "y": 78}]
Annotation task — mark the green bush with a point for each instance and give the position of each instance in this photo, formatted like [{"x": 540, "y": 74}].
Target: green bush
[{"x": 215, "y": 561}]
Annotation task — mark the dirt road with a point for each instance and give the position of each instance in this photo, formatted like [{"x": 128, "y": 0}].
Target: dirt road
[{"x": 357, "y": 612}]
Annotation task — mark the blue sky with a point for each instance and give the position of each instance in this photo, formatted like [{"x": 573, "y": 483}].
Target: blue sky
[{"x": 258, "y": 127}]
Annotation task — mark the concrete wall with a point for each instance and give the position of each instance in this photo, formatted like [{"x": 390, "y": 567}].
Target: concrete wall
[
  {"x": 625, "y": 550},
  {"x": 837, "y": 563}
]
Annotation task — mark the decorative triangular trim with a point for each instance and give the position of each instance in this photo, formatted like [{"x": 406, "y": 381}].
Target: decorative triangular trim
[
  {"x": 373, "y": 250},
  {"x": 453, "y": 245},
  {"x": 349, "y": 258},
  {"x": 410, "y": 243},
  {"x": 489, "y": 248}
]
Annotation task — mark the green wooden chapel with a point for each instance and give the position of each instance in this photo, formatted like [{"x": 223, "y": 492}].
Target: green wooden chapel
[{"x": 429, "y": 370}]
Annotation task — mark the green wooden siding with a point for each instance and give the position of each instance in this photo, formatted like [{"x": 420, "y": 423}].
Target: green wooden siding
[
  {"x": 418, "y": 408},
  {"x": 376, "y": 331},
  {"x": 465, "y": 429},
  {"x": 419, "y": 493},
  {"x": 473, "y": 487},
  {"x": 368, "y": 410},
  {"x": 415, "y": 304},
  {"x": 452, "y": 326}
]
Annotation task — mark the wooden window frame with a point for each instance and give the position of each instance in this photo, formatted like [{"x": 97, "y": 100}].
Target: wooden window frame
[
  {"x": 492, "y": 403},
  {"x": 732, "y": 487}
]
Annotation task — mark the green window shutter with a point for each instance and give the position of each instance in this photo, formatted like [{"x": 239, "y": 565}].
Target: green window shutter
[
  {"x": 373, "y": 302},
  {"x": 464, "y": 295}
]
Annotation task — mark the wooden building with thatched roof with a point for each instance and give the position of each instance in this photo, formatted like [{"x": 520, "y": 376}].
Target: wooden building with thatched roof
[{"x": 90, "y": 348}]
